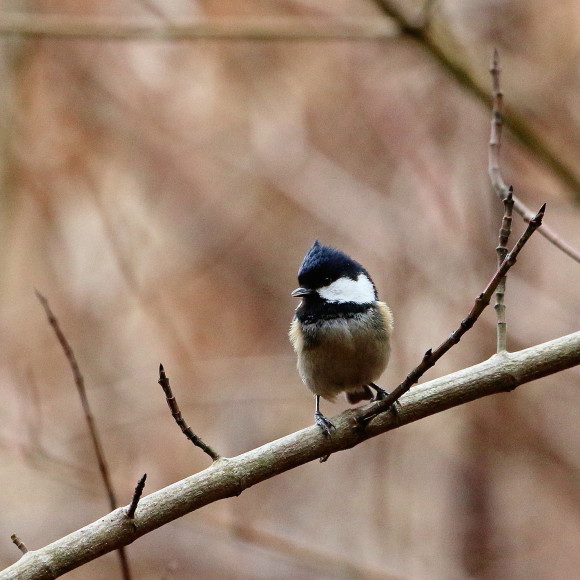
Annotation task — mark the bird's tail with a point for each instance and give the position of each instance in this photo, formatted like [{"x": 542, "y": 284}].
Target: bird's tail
[{"x": 362, "y": 393}]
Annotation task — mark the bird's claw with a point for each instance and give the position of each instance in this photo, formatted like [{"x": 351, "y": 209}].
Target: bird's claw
[
  {"x": 382, "y": 394},
  {"x": 325, "y": 424}
]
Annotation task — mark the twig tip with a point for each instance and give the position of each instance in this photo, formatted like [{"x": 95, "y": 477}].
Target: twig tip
[
  {"x": 537, "y": 220},
  {"x": 136, "y": 497}
]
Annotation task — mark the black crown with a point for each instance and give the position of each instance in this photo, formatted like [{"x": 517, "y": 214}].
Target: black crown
[{"x": 323, "y": 265}]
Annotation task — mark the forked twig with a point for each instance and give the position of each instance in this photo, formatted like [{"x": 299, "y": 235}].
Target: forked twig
[
  {"x": 432, "y": 356},
  {"x": 494, "y": 171},
  {"x": 185, "y": 428}
]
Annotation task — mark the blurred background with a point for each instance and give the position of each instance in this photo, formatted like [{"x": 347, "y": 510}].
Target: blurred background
[{"x": 162, "y": 193}]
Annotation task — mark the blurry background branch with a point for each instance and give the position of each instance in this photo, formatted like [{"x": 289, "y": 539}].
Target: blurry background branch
[
  {"x": 288, "y": 28},
  {"x": 228, "y": 477},
  {"x": 79, "y": 381},
  {"x": 443, "y": 48},
  {"x": 494, "y": 171}
]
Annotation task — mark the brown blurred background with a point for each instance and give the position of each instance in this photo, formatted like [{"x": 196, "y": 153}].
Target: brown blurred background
[{"x": 161, "y": 195}]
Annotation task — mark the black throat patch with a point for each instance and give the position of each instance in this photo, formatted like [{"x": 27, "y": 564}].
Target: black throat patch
[{"x": 314, "y": 309}]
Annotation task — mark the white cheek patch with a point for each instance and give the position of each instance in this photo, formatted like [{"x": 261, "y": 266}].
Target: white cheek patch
[{"x": 360, "y": 291}]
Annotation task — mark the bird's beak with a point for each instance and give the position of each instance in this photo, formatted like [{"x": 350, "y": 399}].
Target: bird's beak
[{"x": 300, "y": 292}]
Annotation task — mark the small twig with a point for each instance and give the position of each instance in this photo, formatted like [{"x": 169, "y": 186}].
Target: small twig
[
  {"x": 136, "y": 497},
  {"x": 186, "y": 430},
  {"x": 494, "y": 171},
  {"x": 504, "y": 234},
  {"x": 93, "y": 431},
  {"x": 19, "y": 543},
  {"x": 431, "y": 357}
]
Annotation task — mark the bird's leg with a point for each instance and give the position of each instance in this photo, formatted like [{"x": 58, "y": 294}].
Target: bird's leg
[
  {"x": 325, "y": 424},
  {"x": 381, "y": 394}
]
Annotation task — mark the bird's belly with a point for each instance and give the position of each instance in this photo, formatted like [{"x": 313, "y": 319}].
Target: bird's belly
[{"x": 341, "y": 355}]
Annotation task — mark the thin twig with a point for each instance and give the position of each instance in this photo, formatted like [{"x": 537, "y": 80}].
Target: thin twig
[
  {"x": 504, "y": 234},
  {"x": 136, "y": 497},
  {"x": 494, "y": 170},
  {"x": 93, "y": 431},
  {"x": 186, "y": 430},
  {"x": 19, "y": 543},
  {"x": 431, "y": 357}
]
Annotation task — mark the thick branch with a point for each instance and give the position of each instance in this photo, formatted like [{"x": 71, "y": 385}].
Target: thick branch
[{"x": 229, "y": 477}]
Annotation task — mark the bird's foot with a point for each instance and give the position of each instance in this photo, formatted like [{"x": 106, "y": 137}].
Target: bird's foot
[
  {"x": 382, "y": 394},
  {"x": 325, "y": 424}
]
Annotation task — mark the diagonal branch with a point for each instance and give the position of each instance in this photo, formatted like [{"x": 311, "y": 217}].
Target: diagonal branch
[
  {"x": 229, "y": 477},
  {"x": 93, "y": 431},
  {"x": 481, "y": 302}
]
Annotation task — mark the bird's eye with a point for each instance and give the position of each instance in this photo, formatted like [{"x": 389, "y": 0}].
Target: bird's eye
[{"x": 326, "y": 281}]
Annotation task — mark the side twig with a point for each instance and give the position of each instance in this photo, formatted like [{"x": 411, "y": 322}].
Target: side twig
[
  {"x": 504, "y": 234},
  {"x": 19, "y": 543},
  {"x": 186, "y": 430},
  {"x": 136, "y": 497},
  {"x": 494, "y": 171},
  {"x": 94, "y": 434},
  {"x": 432, "y": 356}
]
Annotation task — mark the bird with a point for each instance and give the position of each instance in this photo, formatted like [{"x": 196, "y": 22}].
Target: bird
[{"x": 341, "y": 332}]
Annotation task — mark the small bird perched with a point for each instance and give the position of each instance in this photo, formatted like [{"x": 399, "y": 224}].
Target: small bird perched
[{"x": 340, "y": 331}]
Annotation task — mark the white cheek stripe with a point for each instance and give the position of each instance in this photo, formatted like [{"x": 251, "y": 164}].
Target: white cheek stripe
[{"x": 360, "y": 291}]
